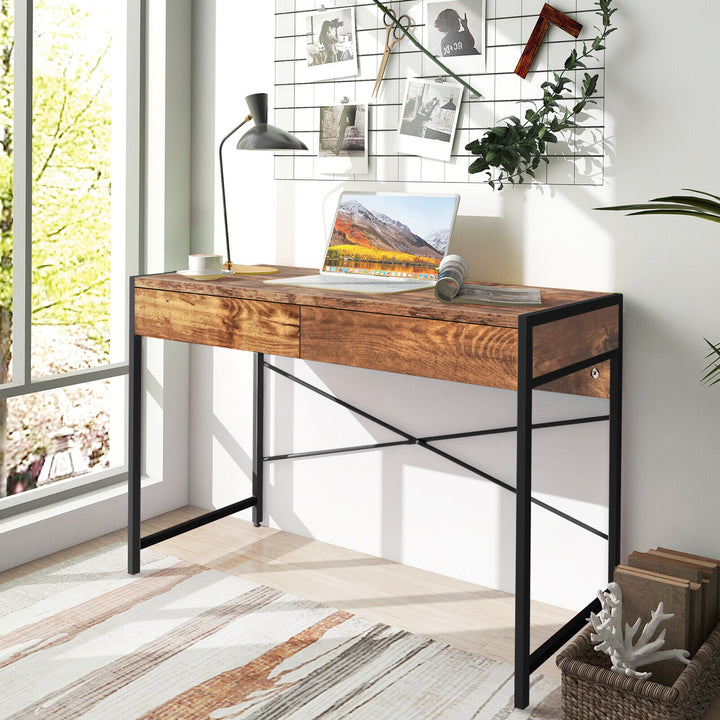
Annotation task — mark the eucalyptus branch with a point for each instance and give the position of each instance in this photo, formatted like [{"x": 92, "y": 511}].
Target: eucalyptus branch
[{"x": 405, "y": 32}]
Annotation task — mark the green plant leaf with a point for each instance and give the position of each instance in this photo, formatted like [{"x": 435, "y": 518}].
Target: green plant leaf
[
  {"x": 706, "y": 205},
  {"x": 702, "y": 216},
  {"x": 645, "y": 206},
  {"x": 572, "y": 58},
  {"x": 590, "y": 84},
  {"x": 712, "y": 369},
  {"x": 696, "y": 207},
  {"x": 701, "y": 192}
]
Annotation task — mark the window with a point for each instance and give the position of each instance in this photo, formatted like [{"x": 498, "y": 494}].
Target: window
[{"x": 69, "y": 98}]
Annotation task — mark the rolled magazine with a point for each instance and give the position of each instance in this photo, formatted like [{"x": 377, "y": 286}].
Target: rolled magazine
[{"x": 451, "y": 287}]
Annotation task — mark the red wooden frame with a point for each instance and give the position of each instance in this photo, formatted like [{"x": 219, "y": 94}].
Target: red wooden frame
[{"x": 548, "y": 15}]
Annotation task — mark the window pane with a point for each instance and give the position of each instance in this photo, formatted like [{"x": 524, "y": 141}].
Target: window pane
[
  {"x": 72, "y": 133},
  {"x": 7, "y": 75},
  {"x": 60, "y": 434}
]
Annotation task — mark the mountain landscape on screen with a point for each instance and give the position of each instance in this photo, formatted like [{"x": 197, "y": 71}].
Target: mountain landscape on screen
[
  {"x": 356, "y": 225},
  {"x": 439, "y": 239}
]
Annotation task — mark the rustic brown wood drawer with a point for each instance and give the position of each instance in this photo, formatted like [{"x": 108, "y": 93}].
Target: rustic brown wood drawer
[
  {"x": 461, "y": 352},
  {"x": 266, "y": 327},
  {"x": 570, "y": 340}
]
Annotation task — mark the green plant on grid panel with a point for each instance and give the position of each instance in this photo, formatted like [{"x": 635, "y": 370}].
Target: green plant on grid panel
[
  {"x": 514, "y": 149},
  {"x": 706, "y": 207}
]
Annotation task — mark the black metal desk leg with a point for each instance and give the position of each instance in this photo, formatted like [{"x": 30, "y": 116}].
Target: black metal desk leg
[
  {"x": 614, "y": 499},
  {"x": 258, "y": 437},
  {"x": 522, "y": 514},
  {"x": 134, "y": 440}
]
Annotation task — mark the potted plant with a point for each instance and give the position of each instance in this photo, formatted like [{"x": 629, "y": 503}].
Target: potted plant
[{"x": 701, "y": 205}]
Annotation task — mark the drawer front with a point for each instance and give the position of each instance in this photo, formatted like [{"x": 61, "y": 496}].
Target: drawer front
[
  {"x": 564, "y": 342},
  {"x": 461, "y": 352},
  {"x": 255, "y": 325},
  {"x": 591, "y": 382}
]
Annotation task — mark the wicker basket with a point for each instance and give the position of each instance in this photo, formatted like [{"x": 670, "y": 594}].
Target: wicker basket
[{"x": 592, "y": 691}]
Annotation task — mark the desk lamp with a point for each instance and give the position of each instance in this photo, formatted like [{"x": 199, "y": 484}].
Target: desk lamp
[{"x": 262, "y": 136}]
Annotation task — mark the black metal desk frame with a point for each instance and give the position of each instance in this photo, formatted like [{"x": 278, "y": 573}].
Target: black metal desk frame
[{"x": 526, "y": 662}]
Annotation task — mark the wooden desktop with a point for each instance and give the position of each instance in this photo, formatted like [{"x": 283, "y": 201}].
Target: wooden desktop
[{"x": 572, "y": 344}]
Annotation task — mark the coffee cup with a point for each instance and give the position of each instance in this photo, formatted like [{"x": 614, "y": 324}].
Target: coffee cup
[{"x": 205, "y": 264}]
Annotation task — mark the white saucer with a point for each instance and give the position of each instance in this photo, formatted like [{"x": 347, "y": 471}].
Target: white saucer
[{"x": 200, "y": 276}]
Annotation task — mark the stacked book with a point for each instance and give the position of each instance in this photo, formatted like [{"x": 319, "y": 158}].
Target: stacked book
[{"x": 687, "y": 585}]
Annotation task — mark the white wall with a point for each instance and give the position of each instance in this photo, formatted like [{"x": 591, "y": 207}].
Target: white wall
[{"x": 661, "y": 113}]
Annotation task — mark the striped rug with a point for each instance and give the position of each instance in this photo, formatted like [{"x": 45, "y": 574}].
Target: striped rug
[{"x": 83, "y": 639}]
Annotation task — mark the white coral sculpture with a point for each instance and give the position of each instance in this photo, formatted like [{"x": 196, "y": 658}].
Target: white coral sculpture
[{"x": 625, "y": 656}]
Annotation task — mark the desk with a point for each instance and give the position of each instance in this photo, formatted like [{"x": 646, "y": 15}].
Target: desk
[{"x": 572, "y": 344}]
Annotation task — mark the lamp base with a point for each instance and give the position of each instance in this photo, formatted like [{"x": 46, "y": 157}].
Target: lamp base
[{"x": 235, "y": 269}]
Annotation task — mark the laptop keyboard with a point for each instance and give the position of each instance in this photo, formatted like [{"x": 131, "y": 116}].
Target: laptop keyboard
[
  {"x": 353, "y": 284},
  {"x": 355, "y": 280}
]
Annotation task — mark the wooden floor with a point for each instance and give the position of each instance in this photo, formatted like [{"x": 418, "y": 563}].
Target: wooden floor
[
  {"x": 462, "y": 614},
  {"x": 469, "y": 616}
]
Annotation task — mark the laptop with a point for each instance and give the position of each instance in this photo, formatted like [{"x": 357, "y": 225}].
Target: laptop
[{"x": 384, "y": 243}]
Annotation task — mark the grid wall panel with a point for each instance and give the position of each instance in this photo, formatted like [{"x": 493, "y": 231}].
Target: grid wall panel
[{"x": 577, "y": 159}]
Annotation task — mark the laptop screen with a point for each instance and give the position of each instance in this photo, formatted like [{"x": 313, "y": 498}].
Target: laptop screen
[{"x": 390, "y": 235}]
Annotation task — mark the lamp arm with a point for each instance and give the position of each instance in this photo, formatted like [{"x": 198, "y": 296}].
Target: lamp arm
[{"x": 228, "y": 264}]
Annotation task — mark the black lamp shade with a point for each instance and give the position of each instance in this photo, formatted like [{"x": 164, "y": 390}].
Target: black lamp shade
[
  {"x": 269, "y": 137},
  {"x": 265, "y": 136}
]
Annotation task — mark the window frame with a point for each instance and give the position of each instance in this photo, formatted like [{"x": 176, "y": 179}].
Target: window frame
[{"x": 131, "y": 218}]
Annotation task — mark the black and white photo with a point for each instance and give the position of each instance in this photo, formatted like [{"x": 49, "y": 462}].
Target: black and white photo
[
  {"x": 429, "y": 118},
  {"x": 343, "y": 147},
  {"x": 456, "y": 33},
  {"x": 331, "y": 44}
]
